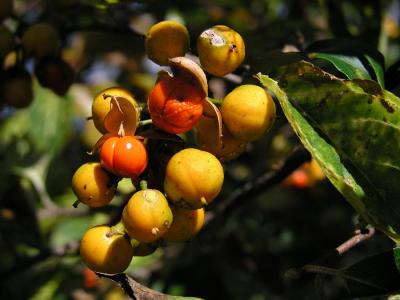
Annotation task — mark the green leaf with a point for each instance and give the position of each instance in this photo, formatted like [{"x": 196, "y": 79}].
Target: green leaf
[
  {"x": 320, "y": 149},
  {"x": 378, "y": 69},
  {"x": 352, "y": 129},
  {"x": 350, "y": 66},
  {"x": 355, "y": 52}
]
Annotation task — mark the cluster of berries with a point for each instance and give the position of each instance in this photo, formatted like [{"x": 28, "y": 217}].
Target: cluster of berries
[{"x": 192, "y": 177}]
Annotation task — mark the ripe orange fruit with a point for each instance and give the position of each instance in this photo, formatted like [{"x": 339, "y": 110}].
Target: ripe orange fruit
[
  {"x": 104, "y": 252},
  {"x": 175, "y": 105},
  {"x": 147, "y": 216},
  {"x": 124, "y": 156},
  {"x": 186, "y": 224},
  {"x": 193, "y": 178}
]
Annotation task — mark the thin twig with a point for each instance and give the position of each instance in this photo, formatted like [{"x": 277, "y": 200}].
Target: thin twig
[{"x": 360, "y": 236}]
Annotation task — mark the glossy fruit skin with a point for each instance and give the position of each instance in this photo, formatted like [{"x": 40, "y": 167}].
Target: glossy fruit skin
[
  {"x": 207, "y": 135},
  {"x": 16, "y": 88},
  {"x": 93, "y": 185},
  {"x": 248, "y": 112},
  {"x": 221, "y": 50},
  {"x": 187, "y": 223},
  {"x": 6, "y": 9},
  {"x": 7, "y": 41},
  {"x": 193, "y": 178},
  {"x": 124, "y": 156},
  {"x": 147, "y": 216},
  {"x": 41, "y": 40},
  {"x": 101, "y": 106},
  {"x": 104, "y": 252},
  {"x": 175, "y": 105},
  {"x": 165, "y": 40}
]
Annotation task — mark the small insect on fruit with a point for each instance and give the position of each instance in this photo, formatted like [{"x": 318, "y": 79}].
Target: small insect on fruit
[
  {"x": 147, "y": 216},
  {"x": 193, "y": 178},
  {"x": 165, "y": 40},
  {"x": 105, "y": 251},
  {"x": 175, "y": 105},
  {"x": 93, "y": 185},
  {"x": 124, "y": 156},
  {"x": 221, "y": 50}
]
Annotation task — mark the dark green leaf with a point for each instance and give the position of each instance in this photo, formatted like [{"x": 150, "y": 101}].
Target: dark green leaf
[
  {"x": 349, "y": 65},
  {"x": 354, "y": 52},
  {"x": 354, "y": 120},
  {"x": 378, "y": 69}
]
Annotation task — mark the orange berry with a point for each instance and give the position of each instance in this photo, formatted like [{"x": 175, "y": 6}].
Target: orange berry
[
  {"x": 124, "y": 156},
  {"x": 175, "y": 105}
]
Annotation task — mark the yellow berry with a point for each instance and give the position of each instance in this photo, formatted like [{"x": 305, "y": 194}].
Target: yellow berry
[{"x": 165, "y": 40}]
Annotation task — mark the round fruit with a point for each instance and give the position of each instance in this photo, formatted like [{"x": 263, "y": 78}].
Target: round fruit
[
  {"x": 7, "y": 41},
  {"x": 175, "y": 105},
  {"x": 187, "y": 223},
  {"x": 221, "y": 50},
  {"x": 248, "y": 112},
  {"x": 147, "y": 216},
  {"x": 165, "y": 40},
  {"x": 93, "y": 185},
  {"x": 41, "y": 40},
  {"x": 6, "y": 9},
  {"x": 193, "y": 178},
  {"x": 104, "y": 251},
  {"x": 207, "y": 137},
  {"x": 124, "y": 156},
  {"x": 101, "y": 104},
  {"x": 16, "y": 88},
  {"x": 55, "y": 74}
]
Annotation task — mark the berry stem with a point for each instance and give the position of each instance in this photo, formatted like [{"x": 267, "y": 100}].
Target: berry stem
[
  {"x": 217, "y": 102},
  {"x": 118, "y": 228},
  {"x": 145, "y": 122},
  {"x": 143, "y": 184},
  {"x": 76, "y": 203}
]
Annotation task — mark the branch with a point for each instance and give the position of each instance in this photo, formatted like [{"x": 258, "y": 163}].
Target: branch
[
  {"x": 263, "y": 182},
  {"x": 359, "y": 236},
  {"x": 138, "y": 291}
]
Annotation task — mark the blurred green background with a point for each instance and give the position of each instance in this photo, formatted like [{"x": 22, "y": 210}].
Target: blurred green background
[{"x": 244, "y": 254}]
